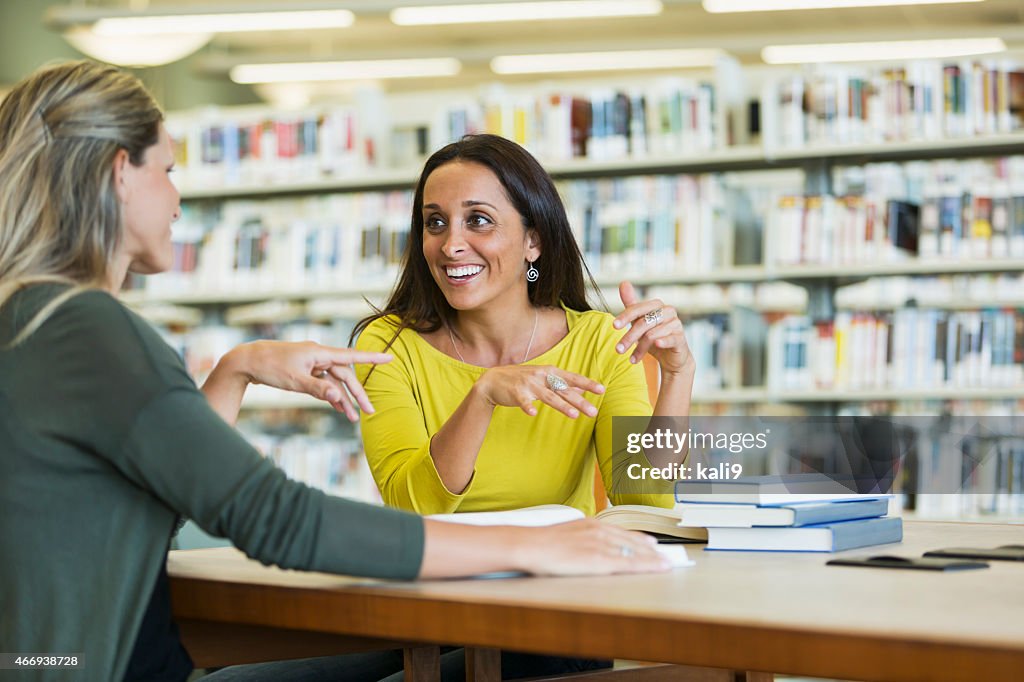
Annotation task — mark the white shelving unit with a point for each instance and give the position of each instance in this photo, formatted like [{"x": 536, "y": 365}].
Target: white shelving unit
[
  {"x": 871, "y": 395},
  {"x": 743, "y": 273},
  {"x": 747, "y": 395},
  {"x": 732, "y": 158},
  {"x": 746, "y": 319}
]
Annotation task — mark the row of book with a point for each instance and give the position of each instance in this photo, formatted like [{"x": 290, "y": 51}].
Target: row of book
[
  {"x": 666, "y": 117},
  {"x": 920, "y": 100},
  {"x": 287, "y": 244},
  {"x": 671, "y": 117},
  {"x": 224, "y": 148},
  {"x": 906, "y": 349},
  {"x": 336, "y": 466},
  {"x": 659, "y": 223},
  {"x": 943, "y": 210},
  {"x": 630, "y": 225},
  {"x": 928, "y": 210}
]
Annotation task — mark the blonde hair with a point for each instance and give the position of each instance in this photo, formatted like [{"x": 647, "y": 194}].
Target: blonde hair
[{"x": 60, "y": 218}]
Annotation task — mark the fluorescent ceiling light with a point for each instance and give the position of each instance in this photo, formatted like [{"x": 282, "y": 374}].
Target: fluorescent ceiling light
[
  {"x": 725, "y": 6},
  {"x": 896, "y": 50},
  {"x": 604, "y": 61},
  {"x": 338, "y": 71},
  {"x": 133, "y": 50},
  {"x": 223, "y": 22},
  {"x": 522, "y": 11}
]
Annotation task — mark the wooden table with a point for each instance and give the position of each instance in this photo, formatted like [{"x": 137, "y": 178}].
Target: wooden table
[{"x": 778, "y": 612}]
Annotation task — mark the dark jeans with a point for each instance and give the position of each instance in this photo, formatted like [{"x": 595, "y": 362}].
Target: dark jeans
[{"x": 386, "y": 666}]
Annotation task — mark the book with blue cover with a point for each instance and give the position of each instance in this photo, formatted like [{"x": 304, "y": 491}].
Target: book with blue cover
[
  {"x": 772, "y": 490},
  {"x": 824, "y": 537},
  {"x": 791, "y": 514}
]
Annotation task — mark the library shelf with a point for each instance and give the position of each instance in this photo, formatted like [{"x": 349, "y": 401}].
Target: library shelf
[
  {"x": 958, "y": 303},
  {"x": 740, "y": 273},
  {"x": 903, "y": 150},
  {"x": 271, "y": 399},
  {"x": 895, "y": 268},
  {"x": 371, "y": 289},
  {"x": 898, "y": 394},
  {"x": 725, "y": 275},
  {"x": 403, "y": 178},
  {"x": 742, "y": 157},
  {"x": 747, "y": 394}
]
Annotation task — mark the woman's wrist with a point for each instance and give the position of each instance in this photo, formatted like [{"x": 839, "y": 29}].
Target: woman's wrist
[
  {"x": 520, "y": 546},
  {"x": 235, "y": 365},
  {"x": 685, "y": 373},
  {"x": 479, "y": 392}
]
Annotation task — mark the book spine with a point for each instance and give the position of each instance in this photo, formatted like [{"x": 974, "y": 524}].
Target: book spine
[{"x": 850, "y": 535}]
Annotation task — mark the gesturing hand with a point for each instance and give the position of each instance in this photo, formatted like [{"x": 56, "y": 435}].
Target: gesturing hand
[
  {"x": 521, "y": 385},
  {"x": 306, "y": 367},
  {"x": 655, "y": 329}
]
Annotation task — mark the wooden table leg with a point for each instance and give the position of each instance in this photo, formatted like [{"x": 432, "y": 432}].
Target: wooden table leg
[
  {"x": 422, "y": 663},
  {"x": 483, "y": 665}
]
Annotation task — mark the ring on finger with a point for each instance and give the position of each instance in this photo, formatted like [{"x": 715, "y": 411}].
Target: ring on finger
[
  {"x": 323, "y": 374},
  {"x": 556, "y": 383},
  {"x": 653, "y": 317},
  {"x": 625, "y": 551}
]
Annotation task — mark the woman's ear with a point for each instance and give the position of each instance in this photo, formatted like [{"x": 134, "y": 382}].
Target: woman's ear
[
  {"x": 122, "y": 175},
  {"x": 532, "y": 245}
]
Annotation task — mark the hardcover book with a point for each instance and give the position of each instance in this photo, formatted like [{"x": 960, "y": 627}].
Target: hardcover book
[
  {"x": 825, "y": 537},
  {"x": 793, "y": 514}
]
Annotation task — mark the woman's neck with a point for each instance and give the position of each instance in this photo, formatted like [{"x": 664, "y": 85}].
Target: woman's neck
[
  {"x": 116, "y": 274},
  {"x": 490, "y": 339}
]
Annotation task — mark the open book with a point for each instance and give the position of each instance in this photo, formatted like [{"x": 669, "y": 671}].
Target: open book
[{"x": 654, "y": 520}]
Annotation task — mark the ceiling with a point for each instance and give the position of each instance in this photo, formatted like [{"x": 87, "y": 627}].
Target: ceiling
[{"x": 683, "y": 23}]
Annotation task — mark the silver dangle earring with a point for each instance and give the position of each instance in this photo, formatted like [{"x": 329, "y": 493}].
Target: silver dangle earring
[{"x": 532, "y": 273}]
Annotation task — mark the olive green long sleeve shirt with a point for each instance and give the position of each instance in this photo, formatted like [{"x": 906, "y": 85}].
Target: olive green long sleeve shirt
[{"x": 104, "y": 441}]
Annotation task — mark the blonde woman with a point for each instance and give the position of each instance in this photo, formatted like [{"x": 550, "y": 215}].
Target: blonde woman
[{"x": 104, "y": 439}]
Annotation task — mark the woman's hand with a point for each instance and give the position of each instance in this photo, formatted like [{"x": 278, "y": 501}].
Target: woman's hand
[
  {"x": 655, "y": 329},
  {"x": 589, "y": 547},
  {"x": 304, "y": 367},
  {"x": 521, "y": 385}
]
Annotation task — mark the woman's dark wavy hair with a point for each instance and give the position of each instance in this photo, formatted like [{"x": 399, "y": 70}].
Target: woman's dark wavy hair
[{"x": 417, "y": 301}]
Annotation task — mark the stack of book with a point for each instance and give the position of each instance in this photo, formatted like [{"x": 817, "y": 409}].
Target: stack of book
[{"x": 760, "y": 516}]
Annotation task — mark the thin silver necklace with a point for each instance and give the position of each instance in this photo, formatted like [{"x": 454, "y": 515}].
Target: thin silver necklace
[{"x": 536, "y": 318}]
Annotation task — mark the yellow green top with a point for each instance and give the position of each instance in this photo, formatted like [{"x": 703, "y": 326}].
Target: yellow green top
[{"x": 524, "y": 460}]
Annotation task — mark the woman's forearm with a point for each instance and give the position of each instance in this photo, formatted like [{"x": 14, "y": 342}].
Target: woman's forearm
[
  {"x": 585, "y": 547},
  {"x": 225, "y": 387},
  {"x": 454, "y": 448},
  {"x": 453, "y": 549},
  {"x": 675, "y": 394},
  {"x": 674, "y": 398}
]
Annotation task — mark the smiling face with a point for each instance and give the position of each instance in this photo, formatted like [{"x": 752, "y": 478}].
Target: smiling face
[
  {"x": 474, "y": 241},
  {"x": 150, "y": 203}
]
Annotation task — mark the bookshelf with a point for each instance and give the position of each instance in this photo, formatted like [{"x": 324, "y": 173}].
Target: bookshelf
[
  {"x": 726, "y": 329},
  {"x": 721, "y": 201}
]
